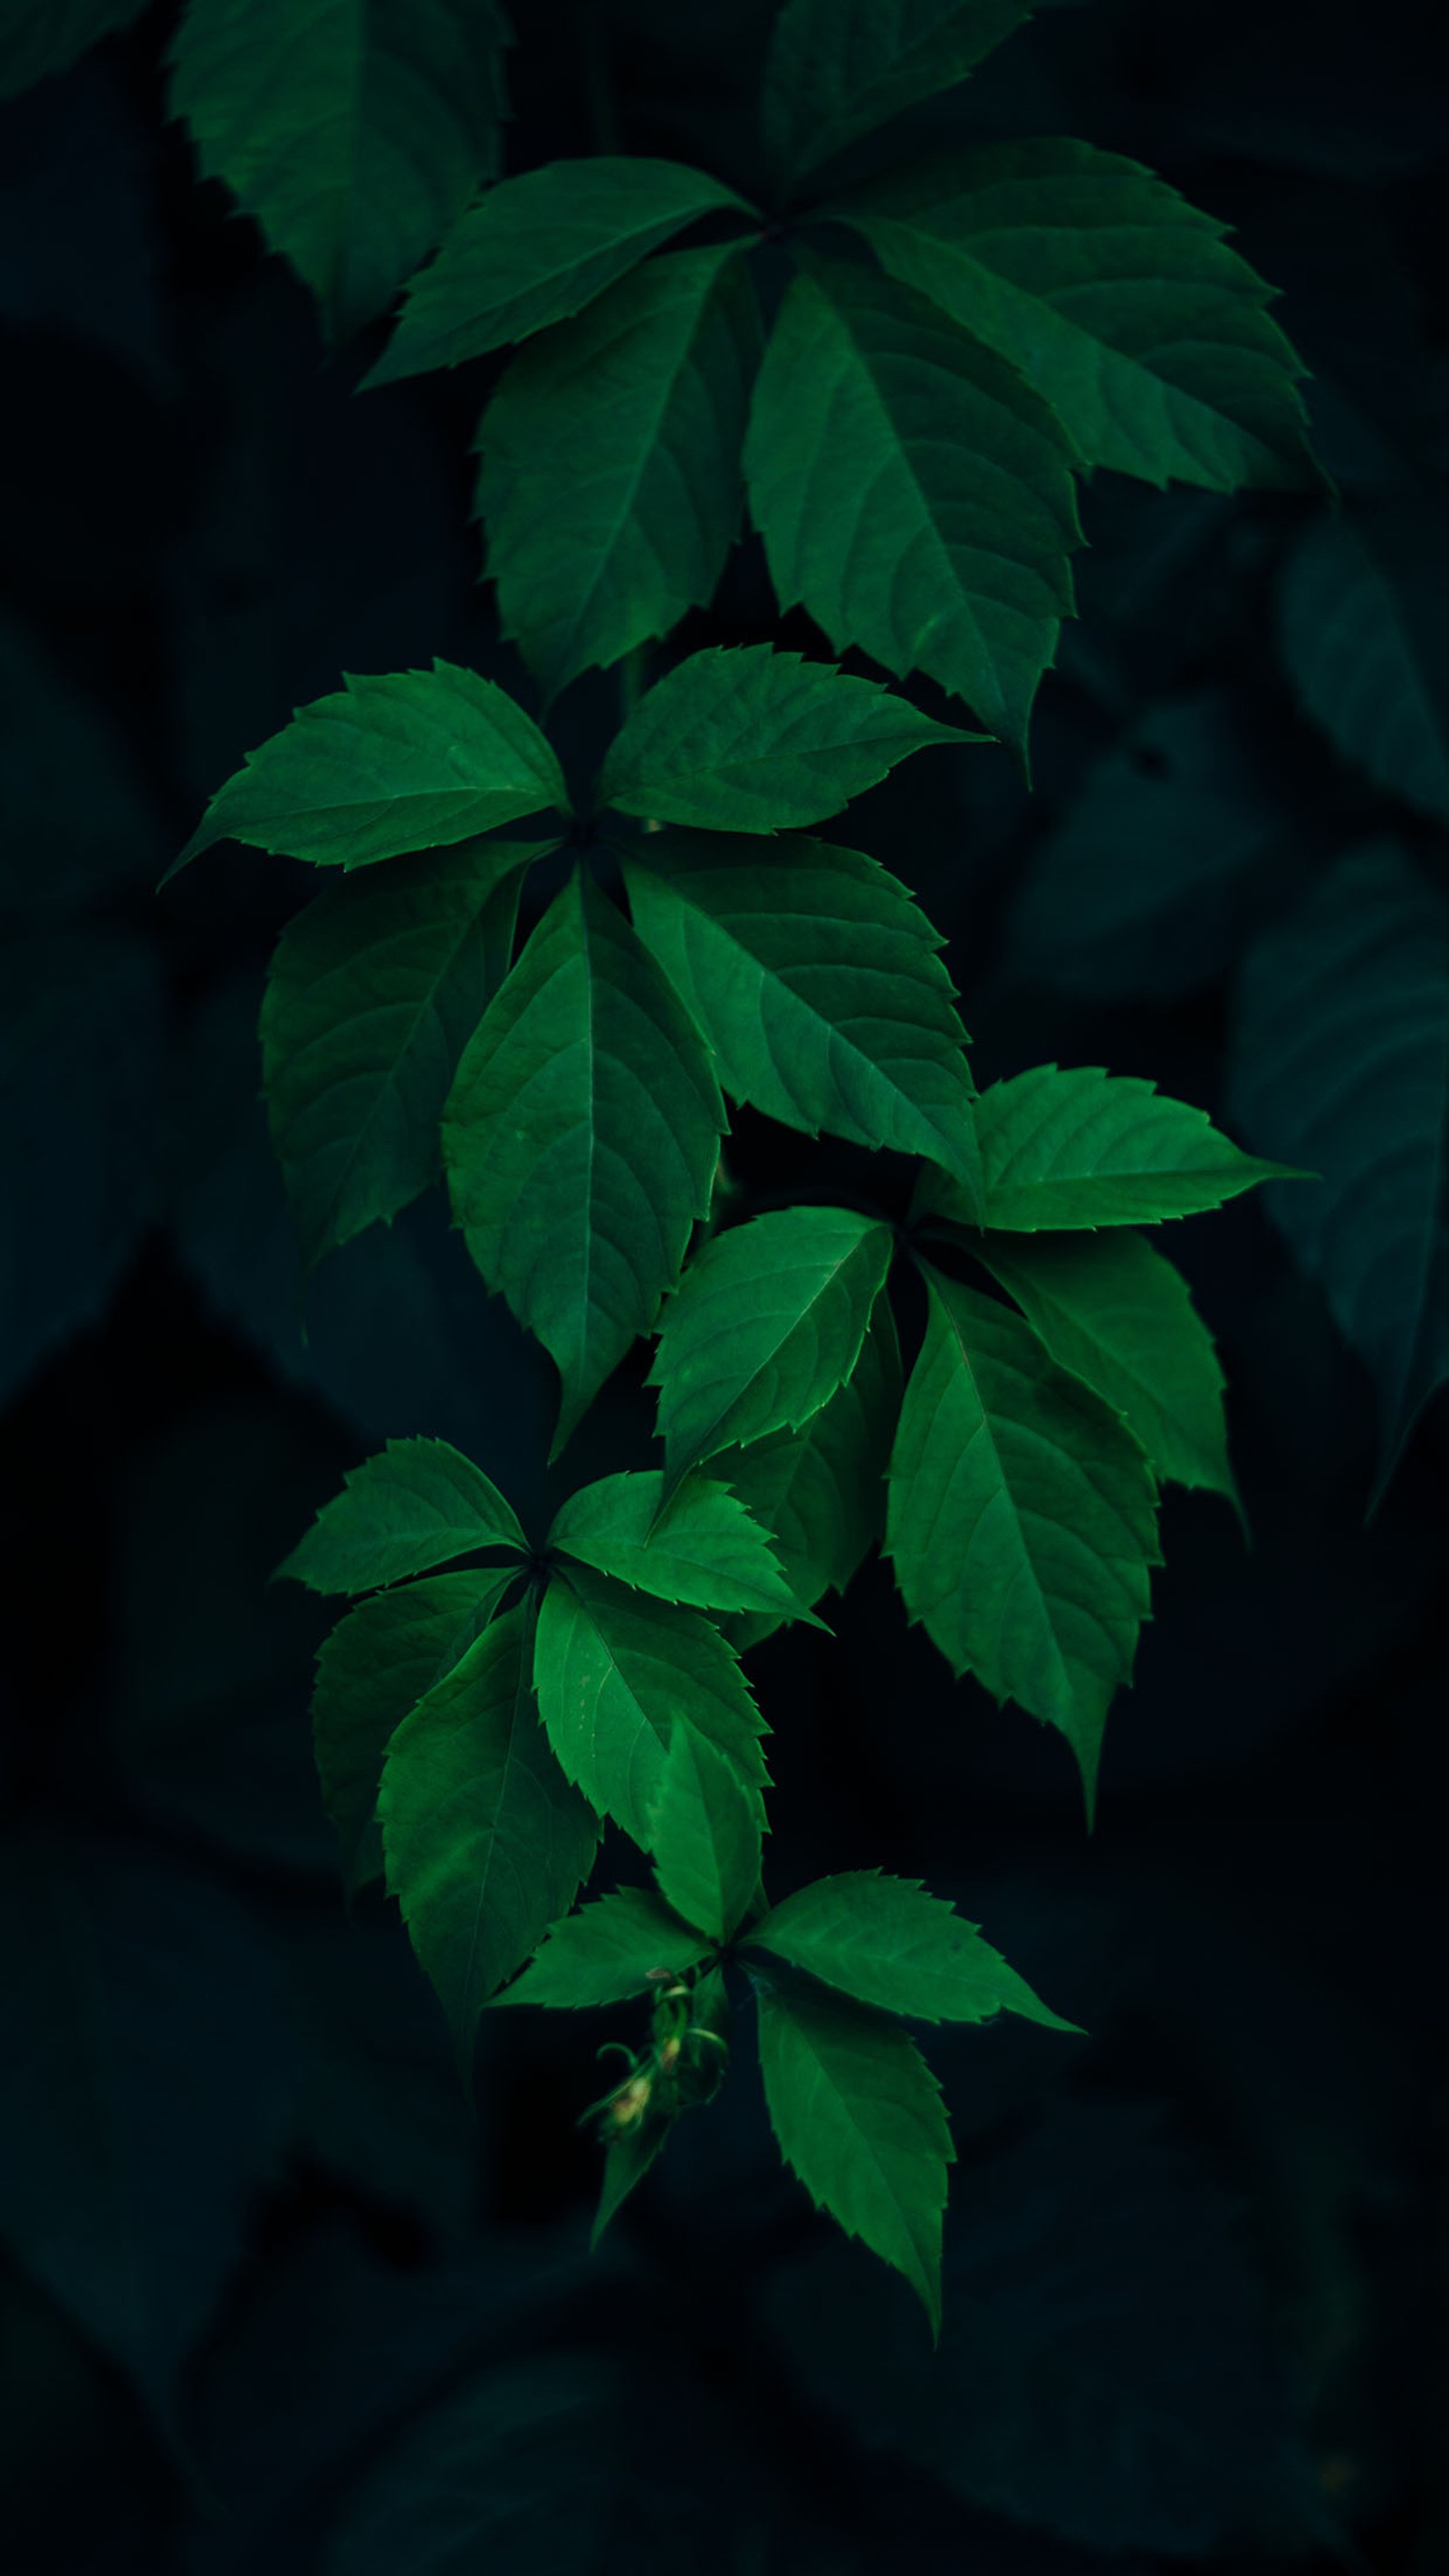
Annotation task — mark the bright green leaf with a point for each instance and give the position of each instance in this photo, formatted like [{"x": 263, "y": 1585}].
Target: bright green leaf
[
  {"x": 617, "y": 1674},
  {"x": 376, "y": 1665},
  {"x": 610, "y": 483},
  {"x": 1021, "y": 1518},
  {"x": 706, "y": 1835},
  {"x": 402, "y": 761},
  {"x": 581, "y": 1139},
  {"x": 1117, "y": 1314},
  {"x": 816, "y": 981},
  {"x": 766, "y": 1324},
  {"x": 886, "y": 1942},
  {"x": 838, "y": 68},
  {"x": 1341, "y": 1057},
  {"x": 412, "y": 1506},
  {"x": 1077, "y": 1147},
  {"x": 703, "y": 1549},
  {"x": 913, "y": 492},
  {"x": 535, "y": 250},
  {"x": 1118, "y": 301},
  {"x": 618, "y": 1946},
  {"x": 1365, "y": 635},
  {"x": 41, "y": 37},
  {"x": 746, "y": 739},
  {"x": 485, "y": 1841},
  {"x": 354, "y": 130},
  {"x": 858, "y": 2116},
  {"x": 374, "y": 991}
]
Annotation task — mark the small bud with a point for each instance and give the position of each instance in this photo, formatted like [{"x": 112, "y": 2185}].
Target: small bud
[
  {"x": 668, "y": 2053},
  {"x": 628, "y": 2107}
]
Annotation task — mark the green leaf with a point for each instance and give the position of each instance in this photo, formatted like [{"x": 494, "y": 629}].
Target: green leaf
[
  {"x": 355, "y": 132},
  {"x": 1118, "y": 301},
  {"x": 834, "y": 71},
  {"x": 816, "y": 981},
  {"x": 372, "y": 1670},
  {"x": 617, "y": 1674},
  {"x": 913, "y": 492},
  {"x": 402, "y": 761},
  {"x": 373, "y": 993},
  {"x": 746, "y": 739},
  {"x": 610, "y": 483},
  {"x": 886, "y": 1942},
  {"x": 706, "y": 1835},
  {"x": 1340, "y": 1055},
  {"x": 1365, "y": 636},
  {"x": 1078, "y": 1147},
  {"x": 703, "y": 1548},
  {"x": 858, "y": 2116},
  {"x": 486, "y": 1843},
  {"x": 41, "y": 37},
  {"x": 412, "y": 1506},
  {"x": 1021, "y": 1518},
  {"x": 537, "y": 249},
  {"x": 766, "y": 1324},
  {"x": 581, "y": 1138},
  {"x": 1118, "y": 1315},
  {"x": 822, "y": 1490},
  {"x": 616, "y": 1947}
]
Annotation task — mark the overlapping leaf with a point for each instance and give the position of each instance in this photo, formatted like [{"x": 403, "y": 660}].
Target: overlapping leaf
[
  {"x": 1341, "y": 1056},
  {"x": 705, "y": 1837},
  {"x": 372, "y": 1671},
  {"x": 1366, "y": 640},
  {"x": 1121, "y": 303},
  {"x": 486, "y": 1842},
  {"x": 1075, "y": 1146},
  {"x": 821, "y": 1490},
  {"x": 767, "y": 1323},
  {"x": 355, "y": 134},
  {"x": 610, "y": 482},
  {"x": 581, "y": 1138},
  {"x": 817, "y": 983},
  {"x": 401, "y": 761},
  {"x": 374, "y": 991},
  {"x": 536, "y": 249},
  {"x": 611, "y": 1949},
  {"x": 887, "y": 1943},
  {"x": 41, "y": 37},
  {"x": 912, "y": 491},
  {"x": 412, "y": 1506},
  {"x": 858, "y": 2116},
  {"x": 747, "y": 739},
  {"x": 1021, "y": 1519},
  {"x": 703, "y": 1549},
  {"x": 836, "y": 68}
]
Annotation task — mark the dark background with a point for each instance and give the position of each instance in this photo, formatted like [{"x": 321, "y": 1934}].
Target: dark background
[{"x": 267, "y": 2297}]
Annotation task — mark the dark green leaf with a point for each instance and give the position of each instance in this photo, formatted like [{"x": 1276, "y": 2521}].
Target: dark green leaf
[
  {"x": 374, "y": 991},
  {"x": 355, "y": 135},
  {"x": 1021, "y": 1519},
  {"x": 913, "y": 493},
  {"x": 414, "y": 1505},
  {"x": 747, "y": 739},
  {"x": 816, "y": 981},
  {"x": 1115, "y": 1313},
  {"x": 766, "y": 1324},
  {"x": 837, "y": 68},
  {"x": 535, "y": 250},
  {"x": 620, "y": 1945},
  {"x": 581, "y": 1138},
  {"x": 1121, "y": 303},
  {"x": 706, "y": 1835},
  {"x": 1078, "y": 1147},
  {"x": 1365, "y": 636},
  {"x": 40, "y": 37},
  {"x": 886, "y": 1942},
  {"x": 485, "y": 1841},
  {"x": 703, "y": 1548},
  {"x": 1341, "y": 1055},
  {"x": 617, "y": 1674},
  {"x": 376, "y": 1665},
  {"x": 402, "y": 761},
  {"x": 858, "y": 2116},
  {"x": 610, "y": 482}
]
